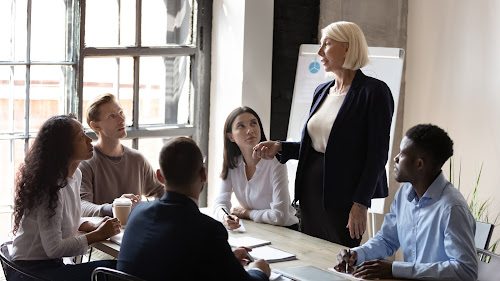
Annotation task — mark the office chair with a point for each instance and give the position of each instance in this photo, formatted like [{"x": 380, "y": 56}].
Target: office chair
[
  {"x": 488, "y": 264},
  {"x": 10, "y": 268},
  {"x": 483, "y": 234},
  {"x": 112, "y": 274}
]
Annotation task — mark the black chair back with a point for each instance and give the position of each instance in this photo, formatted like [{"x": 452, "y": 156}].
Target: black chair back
[
  {"x": 108, "y": 274},
  {"x": 11, "y": 269},
  {"x": 483, "y": 234},
  {"x": 488, "y": 264}
]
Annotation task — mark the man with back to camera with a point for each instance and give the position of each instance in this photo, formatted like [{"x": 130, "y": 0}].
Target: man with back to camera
[
  {"x": 115, "y": 170},
  {"x": 429, "y": 219},
  {"x": 170, "y": 239}
]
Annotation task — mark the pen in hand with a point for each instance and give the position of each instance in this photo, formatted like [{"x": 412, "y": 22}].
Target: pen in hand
[
  {"x": 347, "y": 263},
  {"x": 231, "y": 218},
  {"x": 250, "y": 258}
]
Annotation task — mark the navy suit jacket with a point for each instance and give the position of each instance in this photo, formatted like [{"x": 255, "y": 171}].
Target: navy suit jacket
[
  {"x": 169, "y": 239},
  {"x": 357, "y": 148}
]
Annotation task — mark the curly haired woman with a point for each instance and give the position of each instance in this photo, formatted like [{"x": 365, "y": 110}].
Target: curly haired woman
[{"x": 47, "y": 205}]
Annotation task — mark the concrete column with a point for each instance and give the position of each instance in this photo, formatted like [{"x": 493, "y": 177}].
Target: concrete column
[{"x": 242, "y": 40}]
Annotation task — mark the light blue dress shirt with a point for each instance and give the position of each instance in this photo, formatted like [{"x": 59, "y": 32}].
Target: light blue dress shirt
[{"x": 436, "y": 235}]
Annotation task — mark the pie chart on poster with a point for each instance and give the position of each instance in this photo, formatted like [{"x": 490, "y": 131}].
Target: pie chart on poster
[{"x": 314, "y": 67}]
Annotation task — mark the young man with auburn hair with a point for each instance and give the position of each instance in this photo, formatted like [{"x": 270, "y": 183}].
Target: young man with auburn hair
[
  {"x": 170, "y": 239},
  {"x": 429, "y": 219},
  {"x": 115, "y": 170}
]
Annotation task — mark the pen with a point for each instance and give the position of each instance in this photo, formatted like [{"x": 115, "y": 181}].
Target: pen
[
  {"x": 347, "y": 263},
  {"x": 250, "y": 258},
  {"x": 231, "y": 218}
]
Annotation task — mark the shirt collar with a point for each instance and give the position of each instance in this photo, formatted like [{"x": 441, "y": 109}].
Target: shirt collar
[
  {"x": 434, "y": 191},
  {"x": 242, "y": 162}
]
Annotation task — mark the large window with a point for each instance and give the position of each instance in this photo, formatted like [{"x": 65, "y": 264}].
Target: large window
[{"x": 57, "y": 55}]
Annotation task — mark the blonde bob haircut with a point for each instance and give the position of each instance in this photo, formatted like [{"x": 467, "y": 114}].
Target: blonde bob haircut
[{"x": 349, "y": 32}]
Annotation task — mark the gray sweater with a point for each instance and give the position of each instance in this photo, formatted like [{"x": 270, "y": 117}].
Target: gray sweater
[{"x": 105, "y": 178}]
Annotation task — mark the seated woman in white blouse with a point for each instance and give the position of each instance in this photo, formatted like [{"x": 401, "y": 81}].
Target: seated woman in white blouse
[
  {"x": 47, "y": 205},
  {"x": 261, "y": 187}
]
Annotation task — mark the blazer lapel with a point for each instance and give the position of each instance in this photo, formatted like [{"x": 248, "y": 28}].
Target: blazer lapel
[
  {"x": 347, "y": 102},
  {"x": 320, "y": 98}
]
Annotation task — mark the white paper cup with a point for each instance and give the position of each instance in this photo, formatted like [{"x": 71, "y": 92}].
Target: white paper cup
[{"x": 121, "y": 209}]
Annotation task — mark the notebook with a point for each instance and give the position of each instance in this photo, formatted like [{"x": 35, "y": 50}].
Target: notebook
[
  {"x": 271, "y": 254},
  {"x": 117, "y": 238},
  {"x": 247, "y": 241},
  {"x": 308, "y": 273},
  {"x": 346, "y": 274}
]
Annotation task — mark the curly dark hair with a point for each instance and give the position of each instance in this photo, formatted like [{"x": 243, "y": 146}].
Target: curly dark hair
[
  {"x": 231, "y": 149},
  {"x": 45, "y": 168},
  {"x": 433, "y": 141}
]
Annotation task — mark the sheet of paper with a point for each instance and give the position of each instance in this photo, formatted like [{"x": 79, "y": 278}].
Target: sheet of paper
[
  {"x": 271, "y": 254},
  {"x": 309, "y": 273},
  {"x": 117, "y": 238},
  {"x": 241, "y": 228},
  {"x": 247, "y": 241},
  {"x": 345, "y": 274},
  {"x": 278, "y": 277}
]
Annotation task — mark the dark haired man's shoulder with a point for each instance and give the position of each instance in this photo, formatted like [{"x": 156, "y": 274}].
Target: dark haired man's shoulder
[{"x": 453, "y": 197}]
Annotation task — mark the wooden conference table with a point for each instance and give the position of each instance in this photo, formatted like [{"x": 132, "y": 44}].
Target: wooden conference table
[{"x": 308, "y": 249}]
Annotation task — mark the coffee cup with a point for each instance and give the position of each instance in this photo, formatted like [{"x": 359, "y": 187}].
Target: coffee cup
[{"x": 121, "y": 209}]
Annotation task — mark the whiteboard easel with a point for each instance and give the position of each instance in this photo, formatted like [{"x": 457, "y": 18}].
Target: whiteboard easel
[{"x": 386, "y": 64}]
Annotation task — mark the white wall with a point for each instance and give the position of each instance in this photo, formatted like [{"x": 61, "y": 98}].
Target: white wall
[
  {"x": 452, "y": 69},
  {"x": 242, "y": 44},
  {"x": 452, "y": 80}
]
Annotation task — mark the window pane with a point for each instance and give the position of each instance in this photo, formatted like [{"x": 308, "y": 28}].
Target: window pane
[
  {"x": 127, "y": 142},
  {"x": 9, "y": 165},
  {"x": 51, "y": 34},
  {"x": 110, "y": 23},
  {"x": 150, "y": 148},
  {"x": 8, "y": 168},
  {"x": 13, "y": 30},
  {"x": 47, "y": 93},
  {"x": 6, "y": 172},
  {"x": 165, "y": 87},
  {"x": 166, "y": 22},
  {"x": 12, "y": 97},
  {"x": 5, "y": 223},
  {"x": 109, "y": 75}
]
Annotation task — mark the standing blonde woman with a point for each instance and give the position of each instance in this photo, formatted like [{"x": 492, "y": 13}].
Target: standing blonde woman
[{"x": 345, "y": 142}]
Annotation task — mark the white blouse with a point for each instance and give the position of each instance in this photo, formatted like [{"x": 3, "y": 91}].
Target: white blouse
[
  {"x": 266, "y": 193},
  {"x": 321, "y": 122},
  {"x": 39, "y": 238}
]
